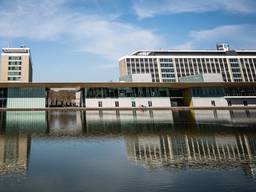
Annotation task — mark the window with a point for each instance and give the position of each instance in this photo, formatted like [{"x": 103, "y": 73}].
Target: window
[
  {"x": 14, "y": 78},
  {"x": 245, "y": 103},
  {"x": 133, "y": 104},
  {"x": 100, "y": 104},
  {"x": 117, "y": 103},
  {"x": 14, "y": 58}
]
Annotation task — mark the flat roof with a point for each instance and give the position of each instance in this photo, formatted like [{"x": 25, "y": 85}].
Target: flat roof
[
  {"x": 15, "y": 50},
  {"x": 238, "y": 52},
  {"x": 129, "y": 85}
]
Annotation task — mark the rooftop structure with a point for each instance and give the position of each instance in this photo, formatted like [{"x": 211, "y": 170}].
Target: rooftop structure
[
  {"x": 146, "y": 77},
  {"x": 207, "y": 77}
]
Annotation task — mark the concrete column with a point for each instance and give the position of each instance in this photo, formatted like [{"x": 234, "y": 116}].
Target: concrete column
[
  {"x": 193, "y": 148},
  {"x": 208, "y": 151},
  {"x": 218, "y": 150},
  {"x": 238, "y": 152},
  {"x": 214, "y": 153},
  {"x": 165, "y": 155},
  {"x": 170, "y": 147},
  {"x": 203, "y": 148},
  {"x": 248, "y": 147},
  {"x": 187, "y": 146},
  {"x": 242, "y": 147}
]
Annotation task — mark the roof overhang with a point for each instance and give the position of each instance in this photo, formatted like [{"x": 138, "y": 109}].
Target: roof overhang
[{"x": 128, "y": 85}]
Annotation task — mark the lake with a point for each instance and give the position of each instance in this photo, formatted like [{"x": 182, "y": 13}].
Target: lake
[{"x": 128, "y": 151}]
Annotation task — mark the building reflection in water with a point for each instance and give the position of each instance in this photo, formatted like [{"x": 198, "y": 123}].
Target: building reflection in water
[
  {"x": 32, "y": 122},
  {"x": 209, "y": 139},
  {"x": 64, "y": 123},
  {"x": 14, "y": 153},
  {"x": 15, "y": 139},
  {"x": 192, "y": 150}
]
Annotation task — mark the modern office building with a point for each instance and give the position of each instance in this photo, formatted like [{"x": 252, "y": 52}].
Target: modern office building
[
  {"x": 16, "y": 65},
  {"x": 171, "y": 65}
]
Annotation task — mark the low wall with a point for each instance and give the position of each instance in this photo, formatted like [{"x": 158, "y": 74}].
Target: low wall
[
  {"x": 127, "y": 102},
  {"x": 208, "y": 102},
  {"x": 223, "y": 101}
]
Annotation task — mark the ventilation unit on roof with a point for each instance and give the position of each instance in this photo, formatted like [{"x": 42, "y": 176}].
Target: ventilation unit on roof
[{"x": 223, "y": 47}]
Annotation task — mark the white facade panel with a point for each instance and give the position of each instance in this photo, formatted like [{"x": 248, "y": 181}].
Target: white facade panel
[
  {"x": 212, "y": 77},
  {"x": 204, "y": 116},
  {"x": 127, "y": 102},
  {"x": 142, "y": 77},
  {"x": 208, "y": 102}
]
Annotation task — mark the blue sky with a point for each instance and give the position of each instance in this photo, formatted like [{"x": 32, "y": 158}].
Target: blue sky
[{"x": 81, "y": 40}]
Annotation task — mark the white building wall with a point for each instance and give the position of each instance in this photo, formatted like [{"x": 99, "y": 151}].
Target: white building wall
[
  {"x": 212, "y": 77},
  {"x": 143, "y": 77},
  {"x": 207, "y": 101},
  {"x": 127, "y": 102},
  {"x": 78, "y": 97},
  {"x": 205, "y": 116}
]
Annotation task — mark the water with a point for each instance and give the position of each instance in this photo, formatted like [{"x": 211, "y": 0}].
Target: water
[{"x": 128, "y": 151}]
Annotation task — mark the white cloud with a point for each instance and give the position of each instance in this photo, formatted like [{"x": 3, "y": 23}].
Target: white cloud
[
  {"x": 239, "y": 36},
  {"x": 150, "y": 8},
  {"x": 53, "y": 20}
]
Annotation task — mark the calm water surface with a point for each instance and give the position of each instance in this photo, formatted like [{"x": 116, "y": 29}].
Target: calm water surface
[{"x": 128, "y": 151}]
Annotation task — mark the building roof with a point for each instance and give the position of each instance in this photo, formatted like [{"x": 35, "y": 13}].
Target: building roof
[
  {"x": 152, "y": 53},
  {"x": 15, "y": 50},
  {"x": 128, "y": 85}
]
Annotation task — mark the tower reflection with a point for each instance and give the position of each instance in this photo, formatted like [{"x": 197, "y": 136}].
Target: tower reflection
[{"x": 14, "y": 153}]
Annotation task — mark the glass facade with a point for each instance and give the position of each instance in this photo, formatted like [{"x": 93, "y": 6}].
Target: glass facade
[
  {"x": 3, "y": 97},
  {"x": 131, "y": 92},
  {"x": 207, "y": 92},
  {"x": 167, "y": 92},
  {"x": 26, "y": 98},
  {"x": 29, "y": 121},
  {"x": 240, "y": 91}
]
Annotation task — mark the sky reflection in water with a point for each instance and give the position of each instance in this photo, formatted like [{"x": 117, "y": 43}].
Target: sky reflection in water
[{"x": 128, "y": 151}]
